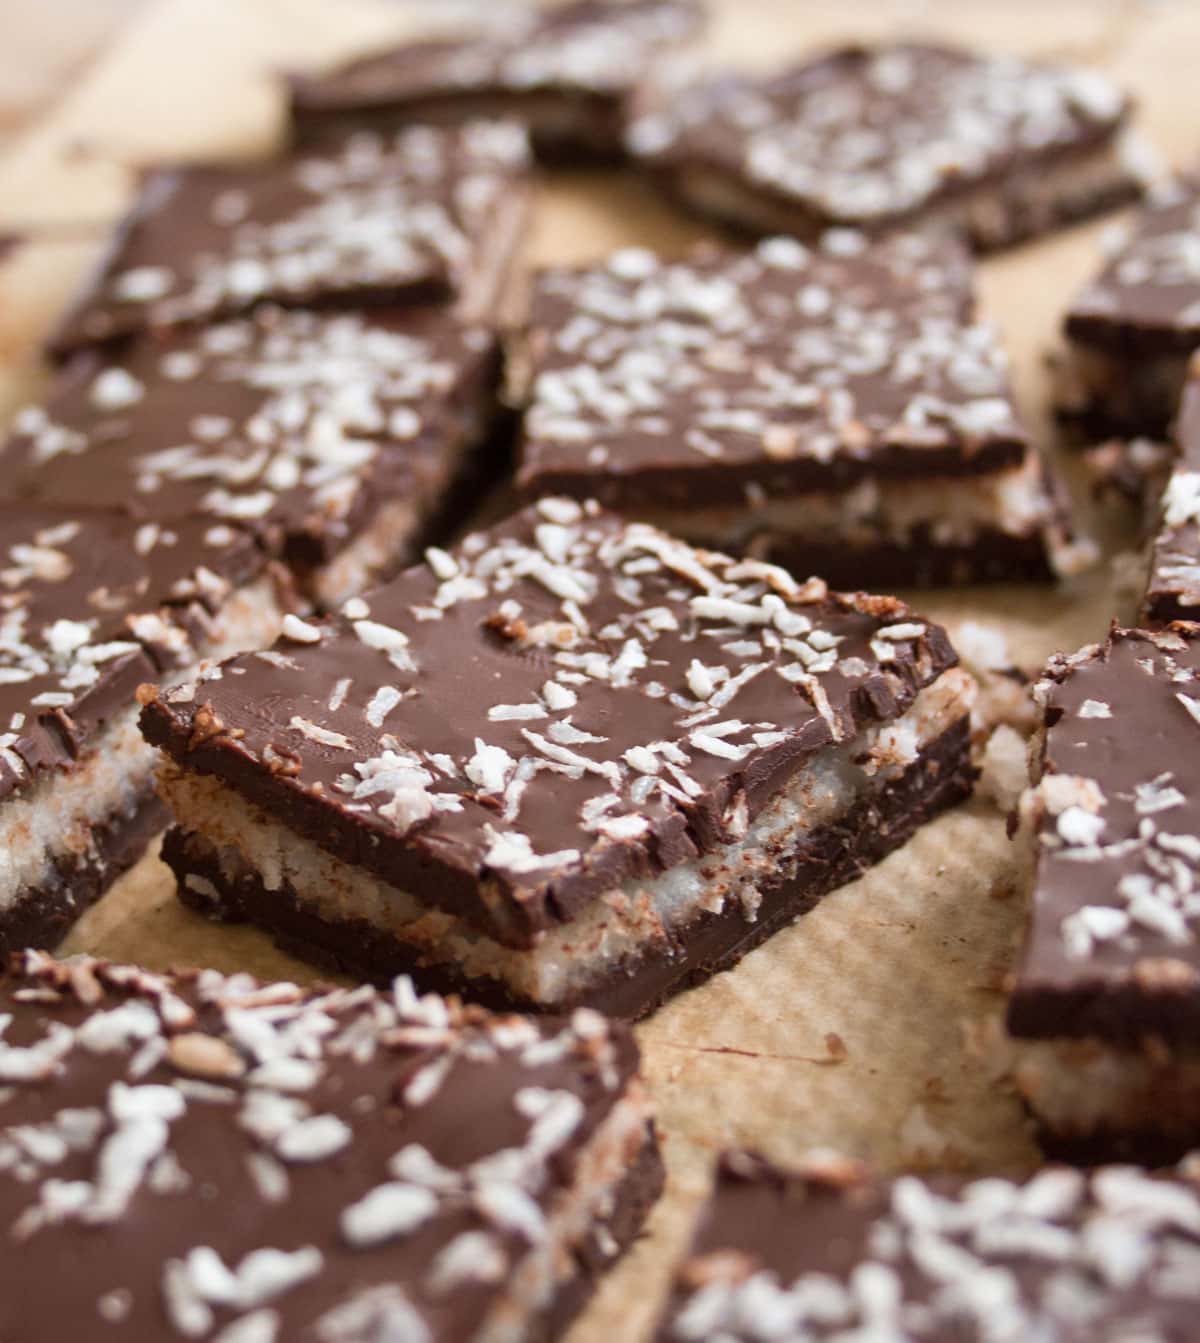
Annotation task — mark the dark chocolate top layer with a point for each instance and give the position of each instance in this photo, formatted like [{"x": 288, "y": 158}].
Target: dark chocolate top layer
[
  {"x": 786, "y": 367},
  {"x": 566, "y": 702},
  {"x": 868, "y": 135},
  {"x": 375, "y": 219},
  {"x": 203, "y": 1157},
  {"x": 1146, "y": 298},
  {"x": 1113, "y": 947},
  {"x": 93, "y": 603},
  {"x": 1063, "y": 1256},
  {"x": 291, "y": 422},
  {"x": 590, "y": 47}
]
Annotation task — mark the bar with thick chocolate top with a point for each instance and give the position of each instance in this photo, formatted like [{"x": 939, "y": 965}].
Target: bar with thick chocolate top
[
  {"x": 567, "y": 72},
  {"x": 208, "y": 1157},
  {"x": 93, "y": 604},
  {"x": 1173, "y": 579},
  {"x": 837, "y": 409},
  {"x": 1106, "y": 1007},
  {"x": 824, "y": 1252},
  {"x": 426, "y": 215},
  {"x": 996, "y": 148},
  {"x": 1130, "y": 331},
  {"x": 339, "y": 438},
  {"x": 574, "y": 761}
]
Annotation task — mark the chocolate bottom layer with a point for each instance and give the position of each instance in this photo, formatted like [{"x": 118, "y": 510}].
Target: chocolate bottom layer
[
  {"x": 1118, "y": 391},
  {"x": 1089, "y": 425},
  {"x": 829, "y": 857},
  {"x": 42, "y": 915},
  {"x": 605, "y": 1243}
]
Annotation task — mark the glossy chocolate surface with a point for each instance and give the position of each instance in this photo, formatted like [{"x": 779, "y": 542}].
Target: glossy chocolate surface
[
  {"x": 296, "y": 424},
  {"x": 213, "y": 1158},
  {"x": 763, "y": 373}
]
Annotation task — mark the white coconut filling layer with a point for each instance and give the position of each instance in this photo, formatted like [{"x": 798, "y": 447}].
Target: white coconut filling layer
[
  {"x": 986, "y": 212},
  {"x": 388, "y": 540},
  {"x": 385, "y": 542},
  {"x": 599, "y": 1172},
  {"x": 954, "y": 510},
  {"x": 637, "y": 918},
  {"x": 49, "y": 821},
  {"x": 1079, "y": 1087}
]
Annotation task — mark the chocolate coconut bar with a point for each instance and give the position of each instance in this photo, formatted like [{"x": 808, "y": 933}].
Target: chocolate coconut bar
[
  {"x": 992, "y": 146},
  {"x": 1130, "y": 331},
  {"x": 210, "y": 1158},
  {"x": 836, "y": 409},
  {"x": 1105, "y": 1012},
  {"x": 92, "y": 604},
  {"x": 567, "y": 72},
  {"x": 340, "y": 438},
  {"x": 575, "y": 761},
  {"x": 425, "y": 215},
  {"x": 823, "y": 1252},
  {"x": 1173, "y": 582}
]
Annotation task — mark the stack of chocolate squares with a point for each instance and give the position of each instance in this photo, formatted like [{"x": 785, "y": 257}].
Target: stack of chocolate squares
[{"x": 278, "y": 385}]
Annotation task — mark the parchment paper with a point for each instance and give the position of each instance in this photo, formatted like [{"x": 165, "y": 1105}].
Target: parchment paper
[{"x": 846, "y": 1030}]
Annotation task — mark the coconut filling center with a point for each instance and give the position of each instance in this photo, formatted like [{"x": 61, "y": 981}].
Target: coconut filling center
[
  {"x": 954, "y": 510},
  {"x": 635, "y": 918},
  {"x": 49, "y": 821}
]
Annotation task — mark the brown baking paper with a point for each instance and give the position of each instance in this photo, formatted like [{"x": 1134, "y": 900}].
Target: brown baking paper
[{"x": 848, "y": 1029}]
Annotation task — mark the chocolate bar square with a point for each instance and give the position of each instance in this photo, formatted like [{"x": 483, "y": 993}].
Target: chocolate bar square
[
  {"x": 1106, "y": 1007},
  {"x": 217, "y": 1158},
  {"x": 567, "y": 71},
  {"x": 574, "y": 761},
  {"x": 340, "y": 438},
  {"x": 824, "y": 1252},
  {"x": 996, "y": 148},
  {"x": 426, "y": 215},
  {"x": 837, "y": 409},
  {"x": 1131, "y": 330}
]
